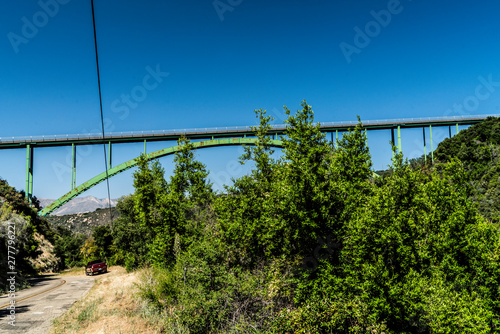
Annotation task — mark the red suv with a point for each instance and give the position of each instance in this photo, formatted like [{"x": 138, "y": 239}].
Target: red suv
[{"x": 96, "y": 266}]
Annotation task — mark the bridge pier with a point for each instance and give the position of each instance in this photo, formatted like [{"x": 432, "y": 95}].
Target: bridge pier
[
  {"x": 29, "y": 172},
  {"x": 399, "y": 139},
  {"x": 432, "y": 146},
  {"x": 425, "y": 145},
  {"x": 73, "y": 166},
  {"x": 109, "y": 155}
]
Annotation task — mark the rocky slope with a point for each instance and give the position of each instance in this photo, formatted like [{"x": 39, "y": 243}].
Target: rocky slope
[{"x": 85, "y": 221}]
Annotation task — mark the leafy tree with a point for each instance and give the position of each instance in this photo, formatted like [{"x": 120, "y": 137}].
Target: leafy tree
[
  {"x": 103, "y": 240},
  {"x": 130, "y": 238},
  {"x": 306, "y": 206},
  {"x": 245, "y": 213},
  {"x": 190, "y": 181},
  {"x": 67, "y": 247},
  {"x": 89, "y": 250},
  {"x": 261, "y": 153},
  {"x": 163, "y": 208}
]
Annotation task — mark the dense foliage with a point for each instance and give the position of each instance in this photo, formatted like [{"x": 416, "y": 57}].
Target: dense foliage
[
  {"x": 311, "y": 242},
  {"x": 478, "y": 148}
]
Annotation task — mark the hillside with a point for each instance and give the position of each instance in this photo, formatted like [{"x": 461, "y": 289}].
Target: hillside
[
  {"x": 24, "y": 236},
  {"x": 79, "y": 205},
  {"x": 84, "y": 222},
  {"x": 478, "y": 148}
]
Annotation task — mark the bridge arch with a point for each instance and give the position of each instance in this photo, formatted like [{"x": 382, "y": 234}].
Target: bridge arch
[{"x": 150, "y": 156}]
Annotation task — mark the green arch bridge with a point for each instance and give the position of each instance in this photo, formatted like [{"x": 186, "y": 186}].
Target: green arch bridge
[
  {"x": 150, "y": 156},
  {"x": 207, "y": 137}
]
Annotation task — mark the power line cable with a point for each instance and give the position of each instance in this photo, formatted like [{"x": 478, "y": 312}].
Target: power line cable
[{"x": 102, "y": 116}]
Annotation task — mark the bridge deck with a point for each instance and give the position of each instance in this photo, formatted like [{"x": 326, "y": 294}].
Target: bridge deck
[{"x": 225, "y": 132}]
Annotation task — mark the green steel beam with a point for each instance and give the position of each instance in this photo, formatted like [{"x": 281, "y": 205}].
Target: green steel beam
[
  {"x": 457, "y": 128},
  {"x": 31, "y": 174},
  {"x": 109, "y": 155},
  {"x": 432, "y": 146},
  {"x": 53, "y": 141},
  {"x": 28, "y": 158},
  {"x": 399, "y": 139},
  {"x": 425, "y": 146},
  {"x": 154, "y": 155},
  {"x": 73, "y": 166},
  {"x": 6, "y": 143},
  {"x": 144, "y": 146}
]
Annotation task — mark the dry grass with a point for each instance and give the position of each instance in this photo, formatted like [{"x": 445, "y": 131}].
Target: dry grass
[{"x": 111, "y": 306}]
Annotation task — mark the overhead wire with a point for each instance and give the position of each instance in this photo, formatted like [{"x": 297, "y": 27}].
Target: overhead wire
[{"x": 102, "y": 115}]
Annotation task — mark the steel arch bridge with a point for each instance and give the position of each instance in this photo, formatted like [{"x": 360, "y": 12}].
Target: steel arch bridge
[
  {"x": 207, "y": 137},
  {"x": 150, "y": 156}
]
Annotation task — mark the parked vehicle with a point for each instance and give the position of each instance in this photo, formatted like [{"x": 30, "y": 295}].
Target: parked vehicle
[{"x": 96, "y": 266}]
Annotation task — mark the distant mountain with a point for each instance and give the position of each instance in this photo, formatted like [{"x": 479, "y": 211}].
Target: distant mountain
[{"x": 79, "y": 205}]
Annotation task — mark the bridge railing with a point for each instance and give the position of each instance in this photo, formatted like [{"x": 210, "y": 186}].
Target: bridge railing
[{"x": 228, "y": 129}]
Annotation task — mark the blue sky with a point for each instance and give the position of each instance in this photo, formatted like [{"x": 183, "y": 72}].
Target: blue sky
[{"x": 217, "y": 61}]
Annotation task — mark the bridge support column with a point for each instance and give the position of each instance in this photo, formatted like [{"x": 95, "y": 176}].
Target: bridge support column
[
  {"x": 399, "y": 139},
  {"x": 457, "y": 127},
  {"x": 425, "y": 146},
  {"x": 449, "y": 130},
  {"x": 73, "y": 166},
  {"x": 144, "y": 146},
  {"x": 432, "y": 146},
  {"x": 29, "y": 172},
  {"x": 392, "y": 141},
  {"x": 109, "y": 155}
]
